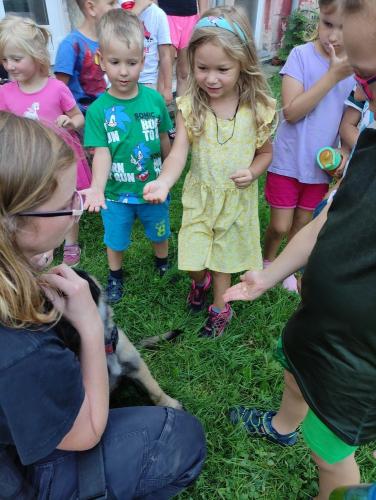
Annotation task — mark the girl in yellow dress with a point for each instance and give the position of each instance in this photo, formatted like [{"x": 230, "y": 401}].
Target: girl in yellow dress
[{"x": 226, "y": 119}]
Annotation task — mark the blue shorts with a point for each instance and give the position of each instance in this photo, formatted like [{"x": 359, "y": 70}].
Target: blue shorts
[{"x": 118, "y": 221}]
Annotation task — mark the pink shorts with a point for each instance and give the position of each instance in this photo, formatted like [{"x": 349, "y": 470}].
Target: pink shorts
[
  {"x": 287, "y": 192},
  {"x": 181, "y": 28}
]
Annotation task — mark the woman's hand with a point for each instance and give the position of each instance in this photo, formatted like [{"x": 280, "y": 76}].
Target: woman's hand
[
  {"x": 242, "y": 178},
  {"x": 75, "y": 301},
  {"x": 253, "y": 284},
  {"x": 156, "y": 191}
]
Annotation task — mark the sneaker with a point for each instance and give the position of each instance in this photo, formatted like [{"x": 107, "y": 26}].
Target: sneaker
[
  {"x": 290, "y": 283},
  {"x": 216, "y": 322},
  {"x": 114, "y": 290},
  {"x": 162, "y": 269},
  {"x": 197, "y": 295},
  {"x": 259, "y": 424},
  {"x": 72, "y": 254}
]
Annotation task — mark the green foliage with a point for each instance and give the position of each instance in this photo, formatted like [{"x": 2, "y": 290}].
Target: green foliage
[{"x": 301, "y": 26}]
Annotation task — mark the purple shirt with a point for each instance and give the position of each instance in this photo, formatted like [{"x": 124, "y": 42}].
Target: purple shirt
[{"x": 296, "y": 144}]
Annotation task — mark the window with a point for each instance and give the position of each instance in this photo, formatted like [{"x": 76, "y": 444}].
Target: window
[{"x": 36, "y": 9}]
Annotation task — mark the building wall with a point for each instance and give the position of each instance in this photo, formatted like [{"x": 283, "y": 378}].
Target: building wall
[{"x": 276, "y": 14}]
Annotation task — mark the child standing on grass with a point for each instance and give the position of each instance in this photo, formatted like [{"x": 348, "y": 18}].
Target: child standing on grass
[
  {"x": 315, "y": 84},
  {"x": 34, "y": 94},
  {"x": 328, "y": 347},
  {"x": 127, "y": 126},
  {"x": 226, "y": 118},
  {"x": 77, "y": 61}
]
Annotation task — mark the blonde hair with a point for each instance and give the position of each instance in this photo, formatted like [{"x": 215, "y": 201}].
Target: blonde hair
[
  {"x": 253, "y": 87},
  {"x": 29, "y": 37},
  {"x": 31, "y": 157},
  {"x": 122, "y": 25}
]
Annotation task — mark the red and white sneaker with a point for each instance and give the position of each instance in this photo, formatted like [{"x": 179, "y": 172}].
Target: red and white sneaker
[
  {"x": 216, "y": 322},
  {"x": 197, "y": 295}
]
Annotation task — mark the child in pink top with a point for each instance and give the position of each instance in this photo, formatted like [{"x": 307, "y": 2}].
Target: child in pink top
[{"x": 34, "y": 94}]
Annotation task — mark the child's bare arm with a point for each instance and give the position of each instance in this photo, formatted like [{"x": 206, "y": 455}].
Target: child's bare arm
[
  {"x": 294, "y": 256},
  {"x": 157, "y": 191},
  {"x": 71, "y": 119},
  {"x": 348, "y": 129},
  {"x": 165, "y": 145},
  {"x": 164, "y": 84},
  {"x": 63, "y": 77},
  {"x": 263, "y": 156},
  {"x": 94, "y": 196},
  {"x": 297, "y": 103}
]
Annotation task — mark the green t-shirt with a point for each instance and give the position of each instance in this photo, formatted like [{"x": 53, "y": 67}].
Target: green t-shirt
[{"x": 130, "y": 129}]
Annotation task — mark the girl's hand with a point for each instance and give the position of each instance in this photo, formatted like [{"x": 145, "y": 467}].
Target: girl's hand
[
  {"x": 94, "y": 199},
  {"x": 75, "y": 301},
  {"x": 339, "y": 66},
  {"x": 339, "y": 172},
  {"x": 156, "y": 191},
  {"x": 252, "y": 286},
  {"x": 242, "y": 178},
  {"x": 64, "y": 121}
]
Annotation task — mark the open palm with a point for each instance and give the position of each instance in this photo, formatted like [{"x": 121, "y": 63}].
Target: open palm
[{"x": 252, "y": 286}]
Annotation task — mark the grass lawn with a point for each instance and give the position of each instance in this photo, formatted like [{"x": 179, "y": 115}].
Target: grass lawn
[{"x": 209, "y": 376}]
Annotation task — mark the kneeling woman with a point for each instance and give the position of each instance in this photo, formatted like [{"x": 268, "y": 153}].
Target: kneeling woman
[{"x": 53, "y": 406}]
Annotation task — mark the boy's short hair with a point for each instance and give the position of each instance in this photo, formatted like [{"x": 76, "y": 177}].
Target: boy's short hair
[{"x": 121, "y": 25}]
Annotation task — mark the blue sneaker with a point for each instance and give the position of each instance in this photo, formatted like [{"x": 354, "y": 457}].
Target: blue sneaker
[
  {"x": 259, "y": 424},
  {"x": 114, "y": 289}
]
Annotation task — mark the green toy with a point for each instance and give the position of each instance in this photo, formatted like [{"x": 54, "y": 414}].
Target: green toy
[{"x": 329, "y": 159}]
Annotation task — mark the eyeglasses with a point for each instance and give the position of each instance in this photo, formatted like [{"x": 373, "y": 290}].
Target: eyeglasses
[
  {"x": 76, "y": 209},
  {"x": 365, "y": 84}
]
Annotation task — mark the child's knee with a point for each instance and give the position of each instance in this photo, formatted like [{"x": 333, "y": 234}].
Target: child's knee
[
  {"x": 279, "y": 229},
  {"x": 342, "y": 466}
]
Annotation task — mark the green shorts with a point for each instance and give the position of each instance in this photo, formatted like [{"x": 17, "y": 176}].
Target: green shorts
[{"x": 319, "y": 438}]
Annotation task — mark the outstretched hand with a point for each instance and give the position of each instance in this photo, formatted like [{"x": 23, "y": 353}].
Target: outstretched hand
[
  {"x": 252, "y": 286},
  {"x": 94, "y": 199},
  {"x": 155, "y": 191}
]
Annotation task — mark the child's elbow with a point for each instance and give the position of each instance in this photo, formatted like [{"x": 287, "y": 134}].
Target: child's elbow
[{"x": 290, "y": 116}]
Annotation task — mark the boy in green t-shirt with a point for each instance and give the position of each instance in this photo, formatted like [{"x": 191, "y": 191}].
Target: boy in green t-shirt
[{"x": 127, "y": 126}]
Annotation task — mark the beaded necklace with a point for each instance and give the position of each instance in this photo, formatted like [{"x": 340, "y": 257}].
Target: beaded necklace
[{"x": 233, "y": 120}]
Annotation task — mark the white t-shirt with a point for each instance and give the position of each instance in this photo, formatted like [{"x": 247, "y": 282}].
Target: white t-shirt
[{"x": 156, "y": 32}]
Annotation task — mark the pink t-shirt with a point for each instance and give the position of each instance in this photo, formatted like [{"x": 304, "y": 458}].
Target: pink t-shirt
[{"x": 53, "y": 100}]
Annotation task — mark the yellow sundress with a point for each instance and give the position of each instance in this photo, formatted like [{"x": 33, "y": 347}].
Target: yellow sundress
[{"x": 220, "y": 225}]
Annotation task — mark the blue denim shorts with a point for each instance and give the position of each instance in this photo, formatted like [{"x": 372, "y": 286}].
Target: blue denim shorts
[
  {"x": 150, "y": 453},
  {"x": 118, "y": 221}
]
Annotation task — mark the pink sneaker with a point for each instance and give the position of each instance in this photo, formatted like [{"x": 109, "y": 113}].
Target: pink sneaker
[
  {"x": 266, "y": 263},
  {"x": 216, "y": 322},
  {"x": 72, "y": 254},
  {"x": 290, "y": 283},
  {"x": 197, "y": 295}
]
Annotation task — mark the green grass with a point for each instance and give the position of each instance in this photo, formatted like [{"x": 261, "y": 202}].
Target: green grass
[{"x": 209, "y": 376}]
